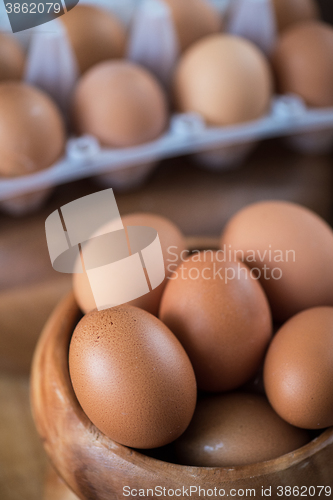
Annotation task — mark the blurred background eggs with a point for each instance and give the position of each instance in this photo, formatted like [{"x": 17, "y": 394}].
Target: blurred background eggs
[
  {"x": 224, "y": 78},
  {"x": 95, "y": 35},
  {"x": 290, "y": 12},
  {"x": 303, "y": 63},
  {"x": 12, "y": 58},
  {"x": 193, "y": 19},
  {"x": 32, "y": 138},
  {"x": 32, "y": 130},
  {"x": 121, "y": 104}
]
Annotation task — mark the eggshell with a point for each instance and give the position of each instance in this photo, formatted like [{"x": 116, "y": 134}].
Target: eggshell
[
  {"x": 193, "y": 19},
  {"x": 95, "y": 35},
  {"x": 303, "y": 63},
  {"x": 172, "y": 243},
  {"x": 132, "y": 377},
  {"x": 291, "y": 247},
  {"x": 11, "y": 59},
  {"x": 223, "y": 324},
  {"x": 32, "y": 131},
  {"x": 224, "y": 78},
  {"x": 121, "y": 104},
  {"x": 298, "y": 371},
  {"x": 289, "y": 12},
  {"x": 236, "y": 429}
]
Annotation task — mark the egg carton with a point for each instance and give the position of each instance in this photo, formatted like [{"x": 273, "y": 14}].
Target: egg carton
[
  {"x": 51, "y": 65},
  {"x": 187, "y": 134}
]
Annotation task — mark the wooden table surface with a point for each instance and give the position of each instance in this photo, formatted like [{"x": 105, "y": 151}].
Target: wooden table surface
[{"x": 199, "y": 201}]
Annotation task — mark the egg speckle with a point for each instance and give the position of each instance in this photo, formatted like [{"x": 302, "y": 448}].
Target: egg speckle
[
  {"x": 132, "y": 377},
  {"x": 221, "y": 316}
]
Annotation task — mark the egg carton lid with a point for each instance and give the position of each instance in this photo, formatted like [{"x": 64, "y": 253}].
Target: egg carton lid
[{"x": 188, "y": 133}]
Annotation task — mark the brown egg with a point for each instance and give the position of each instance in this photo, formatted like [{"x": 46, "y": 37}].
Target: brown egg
[
  {"x": 193, "y": 19},
  {"x": 172, "y": 240},
  {"x": 121, "y": 104},
  {"x": 236, "y": 429},
  {"x": 289, "y": 12},
  {"x": 221, "y": 316},
  {"x": 291, "y": 248},
  {"x": 173, "y": 246},
  {"x": 298, "y": 371},
  {"x": 132, "y": 377},
  {"x": 11, "y": 59},
  {"x": 303, "y": 63},
  {"x": 224, "y": 78},
  {"x": 95, "y": 35},
  {"x": 32, "y": 131}
]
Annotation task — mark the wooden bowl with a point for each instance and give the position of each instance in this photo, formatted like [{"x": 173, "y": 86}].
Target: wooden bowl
[{"x": 97, "y": 468}]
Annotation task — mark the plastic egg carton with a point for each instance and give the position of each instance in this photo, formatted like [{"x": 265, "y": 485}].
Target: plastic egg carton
[
  {"x": 52, "y": 66},
  {"x": 187, "y": 134}
]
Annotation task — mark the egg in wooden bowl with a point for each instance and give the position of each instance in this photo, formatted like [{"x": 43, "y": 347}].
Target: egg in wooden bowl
[{"x": 96, "y": 466}]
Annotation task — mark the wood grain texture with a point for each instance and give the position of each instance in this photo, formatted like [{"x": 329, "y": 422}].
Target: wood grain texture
[
  {"x": 24, "y": 257},
  {"x": 23, "y": 313},
  {"x": 97, "y": 468},
  {"x": 201, "y": 201},
  {"x": 29, "y": 286},
  {"x": 22, "y": 458}
]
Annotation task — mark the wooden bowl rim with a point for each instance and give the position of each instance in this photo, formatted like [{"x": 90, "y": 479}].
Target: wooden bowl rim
[{"x": 57, "y": 327}]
